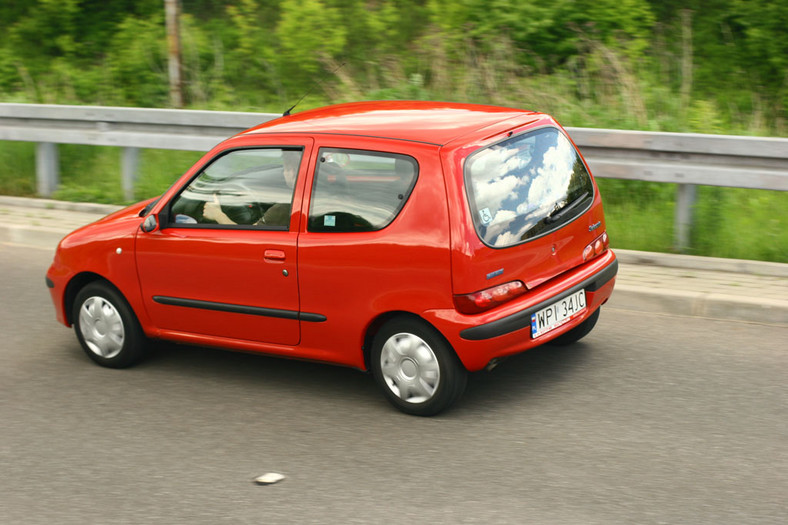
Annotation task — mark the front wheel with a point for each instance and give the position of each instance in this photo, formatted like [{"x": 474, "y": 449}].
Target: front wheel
[
  {"x": 416, "y": 368},
  {"x": 106, "y": 326}
]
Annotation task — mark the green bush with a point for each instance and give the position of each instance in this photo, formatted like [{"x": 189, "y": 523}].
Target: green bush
[{"x": 705, "y": 67}]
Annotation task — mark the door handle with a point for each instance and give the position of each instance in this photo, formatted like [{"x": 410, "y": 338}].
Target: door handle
[{"x": 274, "y": 255}]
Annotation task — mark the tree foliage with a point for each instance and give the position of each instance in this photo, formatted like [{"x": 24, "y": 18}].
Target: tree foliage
[{"x": 664, "y": 64}]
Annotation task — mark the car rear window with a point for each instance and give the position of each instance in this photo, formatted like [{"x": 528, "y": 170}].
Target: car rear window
[
  {"x": 526, "y": 186},
  {"x": 358, "y": 191}
]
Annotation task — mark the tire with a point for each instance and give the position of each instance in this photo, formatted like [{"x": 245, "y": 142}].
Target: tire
[
  {"x": 416, "y": 368},
  {"x": 106, "y": 326},
  {"x": 578, "y": 332}
]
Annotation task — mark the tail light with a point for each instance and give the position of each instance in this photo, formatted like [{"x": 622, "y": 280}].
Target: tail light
[
  {"x": 596, "y": 247},
  {"x": 474, "y": 303}
]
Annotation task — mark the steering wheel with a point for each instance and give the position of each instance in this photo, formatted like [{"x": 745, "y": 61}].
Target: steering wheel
[{"x": 245, "y": 213}]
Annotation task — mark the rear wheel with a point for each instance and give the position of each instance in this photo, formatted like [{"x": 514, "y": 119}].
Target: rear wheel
[
  {"x": 578, "y": 332},
  {"x": 416, "y": 368},
  {"x": 106, "y": 326}
]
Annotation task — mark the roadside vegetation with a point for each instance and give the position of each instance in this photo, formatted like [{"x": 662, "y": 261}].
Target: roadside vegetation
[{"x": 712, "y": 66}]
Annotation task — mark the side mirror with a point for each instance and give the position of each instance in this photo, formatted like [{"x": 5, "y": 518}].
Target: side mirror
[{"x": 149, "y": 224}]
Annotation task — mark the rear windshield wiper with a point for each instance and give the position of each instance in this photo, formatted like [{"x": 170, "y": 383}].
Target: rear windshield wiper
[{"x": 556, "y": 213}]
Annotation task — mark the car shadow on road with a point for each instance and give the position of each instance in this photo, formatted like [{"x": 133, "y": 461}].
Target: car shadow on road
[
  {"x": 511, "y": 383},
  {"x": 253, "y": 370},
  {"x": 530, "y": 374}
]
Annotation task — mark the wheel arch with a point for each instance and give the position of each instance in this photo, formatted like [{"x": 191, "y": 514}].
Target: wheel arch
[
  {"x": 73, "y": 287},
  {"x": 382, "y": 319}
]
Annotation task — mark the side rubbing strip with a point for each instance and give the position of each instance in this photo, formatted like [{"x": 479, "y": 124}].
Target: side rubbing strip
[
  {"x": 312, "y": 318},
  {"x": 522, "y": 319},
  {"x": 239, "y": 309}
]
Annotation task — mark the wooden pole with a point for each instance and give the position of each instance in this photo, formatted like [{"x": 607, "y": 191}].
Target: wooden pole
[{"x": 172, "y": 12}]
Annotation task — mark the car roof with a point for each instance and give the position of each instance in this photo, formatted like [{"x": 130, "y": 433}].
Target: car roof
[{"x": 429, "y": 122}]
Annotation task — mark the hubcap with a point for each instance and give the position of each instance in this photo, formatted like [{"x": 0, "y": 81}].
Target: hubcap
[
  {"x": 101, "y": 327},
  {"x": 410, "y": 368}
]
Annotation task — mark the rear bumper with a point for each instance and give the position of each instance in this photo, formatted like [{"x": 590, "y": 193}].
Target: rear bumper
[
  {"x": 522, "y": 319},
  {"x": 478, "y": 339}
]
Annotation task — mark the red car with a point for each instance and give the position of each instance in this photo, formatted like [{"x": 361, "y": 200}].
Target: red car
[{"x": 418, "y": 240}]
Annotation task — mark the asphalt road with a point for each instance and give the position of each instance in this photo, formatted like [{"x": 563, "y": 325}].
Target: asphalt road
[{"x": 650, "y": 419}]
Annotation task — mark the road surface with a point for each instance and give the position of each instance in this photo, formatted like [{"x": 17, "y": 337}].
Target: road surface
[{"x": 651, "y": 419}]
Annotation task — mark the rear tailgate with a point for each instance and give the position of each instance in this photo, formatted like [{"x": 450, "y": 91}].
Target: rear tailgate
[{"x": 531, "y": 208}]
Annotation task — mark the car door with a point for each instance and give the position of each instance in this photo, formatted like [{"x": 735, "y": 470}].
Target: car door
[{"x": 223, "y": 262}]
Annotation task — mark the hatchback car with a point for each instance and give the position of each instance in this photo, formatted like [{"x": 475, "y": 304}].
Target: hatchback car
[{"x": 416, "y": 240}]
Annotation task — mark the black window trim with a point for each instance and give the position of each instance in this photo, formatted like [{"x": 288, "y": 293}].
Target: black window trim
[
  {"x": 165, "y": 213},
  {"x": 378, "y": 153}
]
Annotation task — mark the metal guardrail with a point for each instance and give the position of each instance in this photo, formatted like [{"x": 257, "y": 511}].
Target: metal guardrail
[
  {"x": 686, "y": 159},
  {"x": 129, "y": 128}
]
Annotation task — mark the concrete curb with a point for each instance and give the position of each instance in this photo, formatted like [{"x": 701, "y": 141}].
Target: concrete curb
[
  {"x": 627, "y": 295},
  {"x": 694, "y": 262},
  {"x": 50, "y": 204},
  {"x": 700, "y": 304},
  {"x": 30, "y": 236},
  {"x": 42, "y": 236}
]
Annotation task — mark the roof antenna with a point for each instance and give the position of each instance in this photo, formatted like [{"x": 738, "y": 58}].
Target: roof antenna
[{"x": 287, "y": 112}]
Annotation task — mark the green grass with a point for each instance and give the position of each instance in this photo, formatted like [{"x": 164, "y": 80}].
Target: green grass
[
  {"x": 741, "y": 224},
  {"x": 18, "y": 168},
  {"x": 639, "y": 215},
  {"x": 160, "y": 168},
  {"x": 91, "y": 174},
  {"x": 729, "y": 222}
]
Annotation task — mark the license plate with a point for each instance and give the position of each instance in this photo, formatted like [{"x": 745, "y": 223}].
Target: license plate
[{"x": 557, "y": 314}]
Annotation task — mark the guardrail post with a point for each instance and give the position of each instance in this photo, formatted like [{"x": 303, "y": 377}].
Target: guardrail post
[
  {"x": 682, "y": 226},
  {"x": 47, "y": 168},
  {"x": 130, "y": 163}
]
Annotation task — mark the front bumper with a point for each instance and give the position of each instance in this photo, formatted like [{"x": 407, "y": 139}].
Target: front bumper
[{"x": 56, "y": 284}]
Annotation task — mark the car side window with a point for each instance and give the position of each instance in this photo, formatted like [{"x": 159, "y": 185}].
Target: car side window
[
  {"x": 242, "y": 188},
  {"x": 359, "y": 191}
]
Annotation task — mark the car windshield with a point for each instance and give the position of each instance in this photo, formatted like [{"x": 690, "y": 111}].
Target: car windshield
[{"x": 526, "y": 187}]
